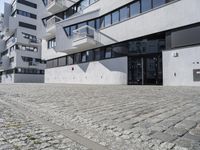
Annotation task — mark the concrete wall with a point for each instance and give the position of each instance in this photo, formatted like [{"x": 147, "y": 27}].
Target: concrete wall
[
  {"x": 178, "y": 66},
  {"x": 153, "y": 21},
  {"x": 110, "y": 71},
  {"x": 9, "y": 78}
]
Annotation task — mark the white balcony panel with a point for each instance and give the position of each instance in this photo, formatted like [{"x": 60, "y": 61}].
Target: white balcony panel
[
  {"x": 51, "y": 26},
  {"x": 55, "y": 6},
  {"x": 13, "y": 25},
  {"x": 84, "y": 38}
]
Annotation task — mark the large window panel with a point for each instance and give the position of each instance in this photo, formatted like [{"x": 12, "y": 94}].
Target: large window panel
[
  {"x": 135, "y": 8},
  {"x": 146, "y": 5},
  {"x": 157, "y": 3},
  {"x": 107, "y": 19},
  {"x": 84, "y": 30},
  {"x": 91, "y": 24},
  {"x": 72, "y": 28},
  {"x": 124, "y": 13},
  {"x": 62, "y": 61},
  {"x": 90, "y": 55},
  {"x": 83, "y": 57},
  {"x": 70, "y": 60},
  {"x": 67, "y": 31},
  {"x": 115, "y": 17}
]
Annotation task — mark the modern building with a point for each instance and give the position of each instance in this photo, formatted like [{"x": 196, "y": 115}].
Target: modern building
[
  {"x": 20, "y": 43},
  {"x": 135, "y": 42}
]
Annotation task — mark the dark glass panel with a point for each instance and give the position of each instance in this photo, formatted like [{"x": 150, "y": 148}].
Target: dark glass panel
[
  {"x": 146, "y": 5},
  {"x": 115, "y": 17},
  {"x": 135, "y": 8},
  {"x": 107, "y": 19},
  {"x": 124, "y": 13},
  {"x": 157, "y": 3}
]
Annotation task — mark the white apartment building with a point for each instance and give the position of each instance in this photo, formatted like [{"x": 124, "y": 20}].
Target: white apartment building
[
  {"x": 20, "y": 43},
  {"x": 134, "y": 42}
]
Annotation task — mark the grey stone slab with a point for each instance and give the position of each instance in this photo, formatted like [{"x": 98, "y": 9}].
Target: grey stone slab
[
  {"x": 163, "y": 136},
  {"x": 176, "y": 131},
  {"x": 186, "y": 124}
]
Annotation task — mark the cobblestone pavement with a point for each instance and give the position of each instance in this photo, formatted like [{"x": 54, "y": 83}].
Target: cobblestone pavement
[
  {"x": 116, "y": 117},
  {"x": 19, "y": 132}
]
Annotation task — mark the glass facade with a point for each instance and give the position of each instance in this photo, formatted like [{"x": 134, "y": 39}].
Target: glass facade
[{"x": 152, "y": 44}]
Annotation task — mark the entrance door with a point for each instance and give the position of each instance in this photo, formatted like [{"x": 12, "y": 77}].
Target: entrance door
[
  {"x": 145, "y": 70},
  {"x": 135, "y": 71}
]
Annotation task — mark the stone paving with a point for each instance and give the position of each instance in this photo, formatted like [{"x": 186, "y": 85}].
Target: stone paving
[
  {"x": 116, "y": 117},
  {"x": 18, "y": 132}
]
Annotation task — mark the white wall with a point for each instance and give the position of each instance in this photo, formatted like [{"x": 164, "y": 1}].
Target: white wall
[
  {"x": 9, "y": 78},
  {"x": 182, "y": 66},
  {"x": 110, "y": 71},
  {"x": 154, "y": 21}
]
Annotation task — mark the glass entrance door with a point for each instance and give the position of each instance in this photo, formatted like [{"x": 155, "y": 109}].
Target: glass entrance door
[
  {"x": 145, "y": 70},
  {"x": 135, "y": 72}
]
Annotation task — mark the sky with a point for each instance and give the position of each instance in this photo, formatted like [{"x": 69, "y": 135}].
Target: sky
[{"x": 2, "y": 5}]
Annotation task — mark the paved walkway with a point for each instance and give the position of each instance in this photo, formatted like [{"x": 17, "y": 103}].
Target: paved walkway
[{"x": 99, "y": 117}]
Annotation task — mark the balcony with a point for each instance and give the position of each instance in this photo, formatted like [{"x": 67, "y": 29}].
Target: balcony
[
  {"x": 51, "y": 25},
  {"x": 55, "y": 6},
  {"x": 85, "y": 37}
]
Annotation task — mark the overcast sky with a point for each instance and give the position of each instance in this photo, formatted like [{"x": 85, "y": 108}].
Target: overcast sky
[{"x": 2, "y": 4}]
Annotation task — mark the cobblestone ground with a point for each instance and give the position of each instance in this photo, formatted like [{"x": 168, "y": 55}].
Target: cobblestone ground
[
  {"x": 116, "y": 117},
  {"x": 18, "y": 132}
]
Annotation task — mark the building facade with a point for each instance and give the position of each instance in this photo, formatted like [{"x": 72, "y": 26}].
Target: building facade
[
  {"x": 134, "y": 42},
  {"x": 20, "y": 43}
]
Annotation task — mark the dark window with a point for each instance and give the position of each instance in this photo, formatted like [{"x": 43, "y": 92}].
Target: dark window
[
  {"x": 108, "y": 52},
  {"x": 83, "y": 30},
  {"x": 55, "y": 62},
  {"x": 32, "y": 38},
  {"x": 27, "y": 14},
  {"x": 146, "y": 5},
  {"x": 67, "y": 31},
  {"x": 115, "y": 17},
  {"x": 90, "y": 55},
  {"x": 157, "y": 3},
  {"x": 51, "y": 43},
  {"x": 91, "y": 24},
  {"x": 85, "y": 3},
  {"x": 107, "y": 20},
  {"x": 83, "y": 57},
  {"x": 70, "y": 60},
  {"x": 135, "y": 8},
  {"x": 62, "y": 61},
  {"x": 26, "y": 25},
  {"x": 124, "y": 13},
  {"x": 72, "y": 28},
  {"x": 77, "y": 58},
  {"x": 98, "y": 24},
  {"x": 27, "y": 3},
  {"x": 98, "y": 54}
]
